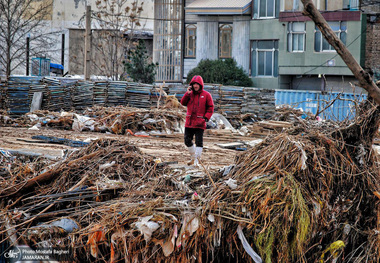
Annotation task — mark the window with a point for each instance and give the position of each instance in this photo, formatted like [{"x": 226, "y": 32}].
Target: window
[
  {"x": 321, "y": 44},
  {"x": 350, "y": 4},
  {"x": 296, "y": 5},
  {"x": 167, "y": 44},
  {"x": 266, "y": 8},
  {"x": 296, "y": 36},
  {"x": 190, "y": 41},
  {"x": 264, "y": 56},
  {"x": 225, "y": 41}
]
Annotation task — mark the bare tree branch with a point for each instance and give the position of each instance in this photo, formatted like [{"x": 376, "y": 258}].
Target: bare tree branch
[
  {"x": 20, "y": 19},
  {"x": 114, "y": 18},
  {"x": 364, "y": 78}
]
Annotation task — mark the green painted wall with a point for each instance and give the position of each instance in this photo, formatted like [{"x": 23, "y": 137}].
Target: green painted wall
[
  {"x": 311, "y": 62},
  {"x": 308, "y": 62},
  {"x": 266, "y": 29}
]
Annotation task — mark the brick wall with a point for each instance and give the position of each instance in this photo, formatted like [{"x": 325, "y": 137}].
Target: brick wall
[
  {"x": 373, "y": 45},
  {"x": 372, "y": 56}
]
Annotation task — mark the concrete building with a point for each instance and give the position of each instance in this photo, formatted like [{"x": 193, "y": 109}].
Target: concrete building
[
  {"x": 221, "y": 30},
  {"x": 289, "y": 52},
  {"x": 68, "y": 15},
  {"x": 188, "y": 31},
  {"x": 67, "y": 20}
]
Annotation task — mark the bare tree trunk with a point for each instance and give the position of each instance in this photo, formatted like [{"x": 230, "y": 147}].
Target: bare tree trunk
[
  {"x": 358, "y": 137},
  {"x": 364, "y": 78},
  {"x": 19, "y": 20}
]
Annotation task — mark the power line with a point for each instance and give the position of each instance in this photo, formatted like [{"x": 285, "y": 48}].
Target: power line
[
  {"x": 321, "y": 65},
  {"x": 305, "y": 73}
]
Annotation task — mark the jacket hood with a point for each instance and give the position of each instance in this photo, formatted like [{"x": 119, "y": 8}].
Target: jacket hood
[{"x": 197, "y": 79}]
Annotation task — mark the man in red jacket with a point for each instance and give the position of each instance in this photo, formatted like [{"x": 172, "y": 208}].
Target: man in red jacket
[{"x": 200, "y": 107}]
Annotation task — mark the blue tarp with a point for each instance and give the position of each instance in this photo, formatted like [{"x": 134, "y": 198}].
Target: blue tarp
[{"x": 55, "y": 65}]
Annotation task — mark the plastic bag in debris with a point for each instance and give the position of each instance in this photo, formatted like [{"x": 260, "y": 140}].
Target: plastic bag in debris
[
  {"x": 106, "y": 183},
  {"x": 66, "y": 114},
  {"x": 244, "y": 130},
  {"x": 141, "y": 133},
  {"x": 82, "y": 122},
  {"x": 35, "y": 127},
  {"x": 211, "y": 124},
  {"x": 6, "y": 156},
  {"x": 147, "y": 227},
  {"x": 254, "y": 142},
  {"x": 190, "y": 224},
  {"x": 227, "y": 169},
  {"x": 150, "y": 120},
  {"x": 33, "y": 117},
  {"x": 247, "y": 247},
  {"x": 169, "y": 244},
  {"x": 231, "y": 183},
  {"x": 221, "y": 121},
  {"x": 65, "y": 223},
  {"x": 304, "y": 156},
  {"x": 106, "y": 165},
  {"x": 211, "y": 218}
]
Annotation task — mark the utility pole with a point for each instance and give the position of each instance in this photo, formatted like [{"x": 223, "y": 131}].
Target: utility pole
[
  {"x": 27, "y": 55},
  {"x": 87, "y": 44},
  {"x": 63, "y": 51}
]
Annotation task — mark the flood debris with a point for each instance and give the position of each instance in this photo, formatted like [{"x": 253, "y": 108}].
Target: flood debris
[{"x": 298, "y": 195}]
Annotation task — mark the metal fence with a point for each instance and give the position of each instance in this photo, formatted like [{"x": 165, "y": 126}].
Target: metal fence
[{"x": 343, "y": 106}]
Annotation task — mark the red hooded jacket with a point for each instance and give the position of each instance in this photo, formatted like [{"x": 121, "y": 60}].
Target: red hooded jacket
[{"x": 199, "y": 105}]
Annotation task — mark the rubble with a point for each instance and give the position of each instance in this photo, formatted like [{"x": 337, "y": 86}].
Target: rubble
[{"x": 295, "y": 196}]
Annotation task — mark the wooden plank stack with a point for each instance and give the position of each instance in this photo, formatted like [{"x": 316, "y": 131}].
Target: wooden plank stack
[
  {"x": 100, "y": 92},
  {"x": 138, "y": 95},
  {"x": 17, "y": 100},
  {"x": 116, "y": 93},
  {"x": 230, "y": 100},
  {"x": 82, "y": 95},
  {"x": 259, "y": 101},
  {"x": 66, "y": 94}
]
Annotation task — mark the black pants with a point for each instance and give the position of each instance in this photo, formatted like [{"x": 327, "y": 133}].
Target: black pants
[{"x": 189, "y": 135}]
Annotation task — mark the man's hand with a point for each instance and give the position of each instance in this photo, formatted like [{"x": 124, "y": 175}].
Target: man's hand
[
  {"x": 205, "y": 119},
  {"x": 189, "y": 89}
]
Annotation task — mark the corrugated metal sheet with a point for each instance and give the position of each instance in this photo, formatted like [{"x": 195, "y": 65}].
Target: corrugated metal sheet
[
  {"x": 306, "y": 100},
  {"x": 312, "y": 101},
  {"x": 343, "y": 108}
]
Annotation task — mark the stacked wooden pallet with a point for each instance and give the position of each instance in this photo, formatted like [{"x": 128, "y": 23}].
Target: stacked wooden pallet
[
  {"x": 230, "y": 100},
  {"x": 138, "y": 95},
  {"x": 100, "y": 92},
  {"x": 82, "y": 95},
  {"x": 261, "y": 102},
  {"x": 116, "y": 93},
  {"x": 16, "y": 98}
]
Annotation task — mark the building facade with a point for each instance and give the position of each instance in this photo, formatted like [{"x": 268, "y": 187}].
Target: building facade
[
  {"x": 289, "y": 52},
  {"x": 187, "y": 31},
  {"x": 66, "y": 20}
]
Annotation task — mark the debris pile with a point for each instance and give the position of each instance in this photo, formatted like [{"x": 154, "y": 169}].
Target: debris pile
[
  {"x": 287, "y": 113},
  {"x": 117, "y": 120},
  {"x": 122, "y": 119},
  {"x": 291, "y": 198},
  {"x": 4, "y": 118}
]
